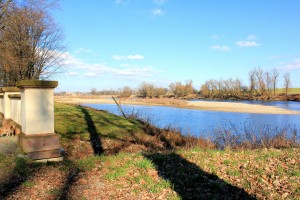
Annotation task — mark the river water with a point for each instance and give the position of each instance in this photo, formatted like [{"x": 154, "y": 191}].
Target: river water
[{"x": 203, "y": 123}]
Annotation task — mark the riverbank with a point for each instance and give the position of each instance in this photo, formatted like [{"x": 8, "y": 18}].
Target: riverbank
[
  {"x": 111, "y": 157},
  {"x": 199, "y": 105}
]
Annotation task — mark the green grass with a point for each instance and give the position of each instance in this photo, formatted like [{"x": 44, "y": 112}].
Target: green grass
[
  {"x": 290, "y": 91},
  {"x": 72, "y": 121}
]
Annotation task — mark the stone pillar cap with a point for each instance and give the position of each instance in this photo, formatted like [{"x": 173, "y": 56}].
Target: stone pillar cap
[
  {"x": 10, "y": 89},
  {"x": 37, "y": 84}
]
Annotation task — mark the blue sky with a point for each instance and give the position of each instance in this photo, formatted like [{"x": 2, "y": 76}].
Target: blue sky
[{"x": 116, "y": 43}]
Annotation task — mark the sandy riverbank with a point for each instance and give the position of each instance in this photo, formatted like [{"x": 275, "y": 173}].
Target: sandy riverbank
[{"x": 200, "y": 105}]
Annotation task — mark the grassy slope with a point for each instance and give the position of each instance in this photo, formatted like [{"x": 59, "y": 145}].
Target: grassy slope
[{"x": 130, "y": 167}]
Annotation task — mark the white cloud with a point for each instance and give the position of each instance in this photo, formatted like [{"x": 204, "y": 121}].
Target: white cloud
[
  {"x": 244, "y": 43},
  {"x": 136, "y": 71},
  {"x": 90, "y": 74},
  {"x": 82, "y": 50},
  {"x": 129, "y": 57},
  {"x": 220, "y": 48},
  {"x": 215, "y": 37},
  {"x": 72, "y": 73},
  {"x": 75, "y": 66},
  {"x": 295, "y": 64},
  {"x": 249, "y": 42},
  {"x": 158, "y": 12},
  {"x": 251, "y": 37}
]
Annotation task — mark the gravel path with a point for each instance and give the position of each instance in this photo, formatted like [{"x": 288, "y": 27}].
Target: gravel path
[{"x": 8, "y": 145}]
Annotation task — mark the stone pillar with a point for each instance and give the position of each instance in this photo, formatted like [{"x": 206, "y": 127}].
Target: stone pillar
[
  {"x": 38, "y": 139},
  {"x": 6, "y": 101},
  {"x": 1, "y": 104}
]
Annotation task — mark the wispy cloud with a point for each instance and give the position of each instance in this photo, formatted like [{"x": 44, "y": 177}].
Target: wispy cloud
[
  {"x": 158, "y": 12},
  {"x": 251, "y": 37},
  {"x": 82, "y": 50},
  {"x": 215, "y": 37},
  {"x": 244, "y": 43},
  {"x": 129, "y": 57},
  {"x": 249, "y": 42},
  {"x": 220, "y": 48},
  {"x": 295, "y": 64}
]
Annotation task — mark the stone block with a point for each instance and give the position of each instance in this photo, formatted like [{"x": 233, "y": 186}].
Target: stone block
[
  {"x": 38, "y": 155},
  {"x": 38, "y": 142}
]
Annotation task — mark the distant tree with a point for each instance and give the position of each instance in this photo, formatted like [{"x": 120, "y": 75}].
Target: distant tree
[
  {"x": 274, "y": 77},
  {"x": 145, "y": 90},
  {"x": 252, "y": 81},
  {"x": 30, "y": 42},
  {"x": 268, "y": 82},
  {"x": 93, "y": 91},
  {"x": 181, "y": 90},
  {"x": 126, "y": 92},
  {"x": 286, "y": 82}
]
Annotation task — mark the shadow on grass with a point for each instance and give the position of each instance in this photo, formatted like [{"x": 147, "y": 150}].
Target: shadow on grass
[
  {"x": 21, "y": 173},
  {"x": 191, "y": 182},
  {"x": 94, "y": 136}
]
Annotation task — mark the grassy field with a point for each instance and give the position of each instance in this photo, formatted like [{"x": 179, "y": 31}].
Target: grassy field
[
  {"x": 110, "y": 157},
  {"x": 290, "y": 91}
]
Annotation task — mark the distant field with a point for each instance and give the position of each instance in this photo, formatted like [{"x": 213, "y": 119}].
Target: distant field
[{"x": 291, "y": 90}]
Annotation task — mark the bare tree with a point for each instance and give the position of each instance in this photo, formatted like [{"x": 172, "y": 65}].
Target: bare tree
[
  {"x": 268, "y": 82},
  {"x": 274, "y": 77},
  {"x": 126, "y": 92},
  {"x": 3, "y": 8},
  {"x": 286, "y": 82},
  {"x": 252, "y": 81},
  {"x": 30, "y": 44}
]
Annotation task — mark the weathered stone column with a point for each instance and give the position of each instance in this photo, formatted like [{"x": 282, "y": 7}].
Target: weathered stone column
[
  {"x": 1, "y": 104},
  {"x": 38, "y": 139},
  {"x": 6, "y": 101}
]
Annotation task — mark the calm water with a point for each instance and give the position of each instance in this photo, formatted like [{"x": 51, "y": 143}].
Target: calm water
[{"x": 199, "y": 123}]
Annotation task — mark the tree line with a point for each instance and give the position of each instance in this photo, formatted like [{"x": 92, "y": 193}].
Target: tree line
[
  {"x": 262, "y": 85},
  {"x": 30, "y": 41}
]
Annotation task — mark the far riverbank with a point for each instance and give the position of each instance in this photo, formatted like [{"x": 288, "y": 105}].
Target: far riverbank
[{"x": 199, "y": 105}]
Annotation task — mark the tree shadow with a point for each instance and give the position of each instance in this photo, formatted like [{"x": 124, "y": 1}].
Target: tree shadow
[
  {"x": 94, "y": 136},
  {"x": 21, "y": 172},
  {"x": 191, "y": 182}
]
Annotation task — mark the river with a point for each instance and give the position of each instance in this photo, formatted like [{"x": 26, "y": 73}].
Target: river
[{"x": 203, "y": 123}]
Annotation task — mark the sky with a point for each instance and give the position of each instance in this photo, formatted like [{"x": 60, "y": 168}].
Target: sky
[{"x": 115, "y": 43}]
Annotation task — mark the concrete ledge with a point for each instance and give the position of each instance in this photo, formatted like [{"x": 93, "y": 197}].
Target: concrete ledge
[
  {"x": 14, "y": 96},
  {"x": 38, "y": 142},
  {"x": 10, "y": 89},
  {"x": 37, "y": 84}
]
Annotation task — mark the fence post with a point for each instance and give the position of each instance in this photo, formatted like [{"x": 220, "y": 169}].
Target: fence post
[{"x": 38, "y": 139}]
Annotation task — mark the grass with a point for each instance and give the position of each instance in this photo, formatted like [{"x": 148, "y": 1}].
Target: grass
[
  {"x": 139, "y": 161},
  {"x": 290, "y": 91}
]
